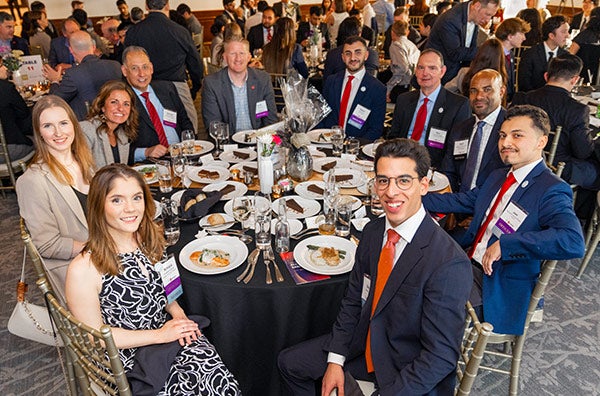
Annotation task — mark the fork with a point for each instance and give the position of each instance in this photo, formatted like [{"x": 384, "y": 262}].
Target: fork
[
  {"x": 304, "y": 233},
  {"x": 267, "y": 258},
  {"x": 278, "y": 274}
]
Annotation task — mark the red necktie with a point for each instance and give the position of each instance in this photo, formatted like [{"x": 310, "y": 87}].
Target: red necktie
[
  {"x": 384, "y": 269},
  {"x": 344, "y": 102},
  {"x": 160, "y": 131},
  {"x": 510, "y": 180},
  {"x": 508, "y": 59},
  {"x": 269, "y": 35},
  {"x": 420, "y": 121}
]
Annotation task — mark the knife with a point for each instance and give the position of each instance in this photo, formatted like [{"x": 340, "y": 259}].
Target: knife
[{"x": 251, "y": 259}]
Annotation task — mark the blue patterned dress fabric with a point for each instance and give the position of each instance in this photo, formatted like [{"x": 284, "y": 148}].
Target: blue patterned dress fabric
[{"x": 135, "y": 301}]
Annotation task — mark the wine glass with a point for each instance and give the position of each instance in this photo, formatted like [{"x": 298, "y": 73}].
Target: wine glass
[
  {"x": 223, "y": 134},
  {"x": 242, "y": 209},
  {"x": 179, "y": 165},
  {"x": 213, "y": 130},
  {"x": 170, "y": 221},
  {"x": 188, "y": 138}
]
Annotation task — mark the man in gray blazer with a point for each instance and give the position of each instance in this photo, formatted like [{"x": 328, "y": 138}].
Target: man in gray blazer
[{"x": 237, "y": 95}]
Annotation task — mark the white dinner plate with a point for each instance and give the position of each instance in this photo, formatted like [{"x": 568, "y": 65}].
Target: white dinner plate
[
  {"x": 339, "y": 163},
  {"x": 240, "y": 137},
  {"x": 192, "y": 173},
  {"x": 354, "y": 202},
  {"x": 158, "y": 209},
  {"x": 358, "y": 177},
  {"x": 363, "y": 188},
  {"x": 369, "y": 149},
  {"x": 302, "y": 189},
  {"x": 201, "y": 147},
  {"x": 295, "y": 226},
  {"x": 237, "y": 253},
  {"x": 177, "y": 196},
  {"x": 320, "y": 136},
  {"x": 363, "y": 165},
  {"x": 230, "y": 157},
  {"x": 228, "y": 219},
  {"x": 220, "y": 164},
  {"x": 310, "y": 206},
  {"x": 315, "y": 152},
  {"x": 439, "y": 181},
  {"x": 302, "y": 254},
  {"x": 240, "y": 189},
  {"x": 149, "y": 169},
  {"x": 240, "y": 166}
]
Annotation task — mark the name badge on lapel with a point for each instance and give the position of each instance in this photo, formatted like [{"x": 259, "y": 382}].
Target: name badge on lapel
[
  {"x": 170, "y": 277},
  {"x": 460, "y": 149},
  {"x": 358, "y": 118},
  {"x": 510, "y": 220},
  {"x": 366, "y": 288},
  {"x": 170, "y": 118},
  {"x": 437, "y": 138},
  {"x": 261, "y": 109}
]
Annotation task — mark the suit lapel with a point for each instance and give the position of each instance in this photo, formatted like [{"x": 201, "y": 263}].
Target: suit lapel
[
  {"x": 68, "y": 195},
  {"x": 436, "y": 115},
  {"x": 252, "y": 98},
  {"x": 528, "y": 182},
  {"x": 227, "y": 93},
  {"x": 492, "y": 143}
]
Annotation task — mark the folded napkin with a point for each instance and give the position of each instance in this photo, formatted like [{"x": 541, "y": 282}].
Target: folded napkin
[
  {"x": 328, "y": 165},
  {"x": 316, "y": 189},
  {"x": 200, "y": 208},
  {"x": 340, "y": 178},
  {"x": 292, "y": 204},
  {"x": 241, "y": 154}
]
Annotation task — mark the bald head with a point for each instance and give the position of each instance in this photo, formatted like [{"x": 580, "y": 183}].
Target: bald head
[
  {"x": 486, "y": 92},
  {"x": 81, "y": 44}
]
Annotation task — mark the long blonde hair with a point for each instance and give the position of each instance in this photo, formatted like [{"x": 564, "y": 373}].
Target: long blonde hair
[
  {"x": 100, "y": 244},
  {"x": 79, "y": 148}
]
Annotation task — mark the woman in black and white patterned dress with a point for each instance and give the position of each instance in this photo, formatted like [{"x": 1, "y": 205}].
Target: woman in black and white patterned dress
[{"x": 114, "y": 282}]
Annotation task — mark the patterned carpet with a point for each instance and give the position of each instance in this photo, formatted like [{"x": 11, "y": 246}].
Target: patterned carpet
[{"x": 561, "y": 357}]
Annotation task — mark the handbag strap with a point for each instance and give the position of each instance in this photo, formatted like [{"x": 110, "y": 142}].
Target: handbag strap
[{"x": 21, "y": 285}]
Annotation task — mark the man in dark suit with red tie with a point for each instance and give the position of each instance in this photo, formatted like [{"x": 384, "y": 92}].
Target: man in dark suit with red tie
[
  {"x": 260, "y": 35},
  {"x": 162, "y": 115},
  {"x": 402, "y": 318},
  {"x": 521, "y": 216},
  {"x": 428, "y": 115},
  {"x": 356, "y": 98}
]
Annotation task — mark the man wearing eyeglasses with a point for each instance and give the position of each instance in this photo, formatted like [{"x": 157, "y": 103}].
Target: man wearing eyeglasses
[
  {"x": 520, "y": 216},
  {"x": 402, "y": 318}
]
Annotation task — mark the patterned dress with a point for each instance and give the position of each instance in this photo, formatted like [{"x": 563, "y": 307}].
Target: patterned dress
[{"x": 135, "y": 301}]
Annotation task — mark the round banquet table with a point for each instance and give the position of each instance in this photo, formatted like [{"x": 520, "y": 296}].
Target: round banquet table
[{"x": 251, "y": 323}]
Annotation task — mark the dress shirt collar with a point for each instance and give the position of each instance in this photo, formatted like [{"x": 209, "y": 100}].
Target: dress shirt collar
[
  {"x": 231, "y": 80},
  {"x": 547, "y": 49},
  {"x": 491, "y": 118},
  {"x": 432, "y": 97},
  {"x": 522, "y": 172},
  {"x": 139, "y": 93},
  {"x": 358, "y": 76},
  {"x": 409, "y": 227}
]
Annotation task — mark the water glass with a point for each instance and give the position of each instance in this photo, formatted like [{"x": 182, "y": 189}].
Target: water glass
[
  {"x": 242, "y": 209},
  {"x": 376, "y": 208},
  {"x": 179, "y": 166},
  {"x": 352, "y": 146},
  {"x": 188, "y": 139},
  {"x": 170, "y": 220},
  {"x": 327, "y": 226},
  {"x": 262, "y": 230},
  {"x": 343, "y": 215},
  {"x": 223, "y": 134},
  {"x": 337, "y": 142},
  {"x": 164, "y": 176}
]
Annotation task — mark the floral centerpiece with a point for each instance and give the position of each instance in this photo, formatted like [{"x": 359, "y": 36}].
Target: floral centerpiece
[{"x": 11, "y": 59}]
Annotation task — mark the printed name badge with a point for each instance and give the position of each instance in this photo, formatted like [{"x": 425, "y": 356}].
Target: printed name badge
[
  {"x": 358, "y": 118},
  {"x": 170, "y": 118},
  {"x": 437, "y": 138},
  {"x": 170, "y": 277},
  {"x": 261, "y": 109},
  {"x": 461, "y": 148},
  {"x": 510, "y": 220},
  {"x": 366, "y": 288}
]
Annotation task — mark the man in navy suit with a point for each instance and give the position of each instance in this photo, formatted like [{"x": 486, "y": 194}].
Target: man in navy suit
[
  {"x": 444, "y": 108},
  {"x": 533, "y": 220},
  {"x": 472, "y": 152},
  {"x": 260, "y": 35},
  {"x": 8, "y": 40},
  {"x": 416, "y": 324},
  {"x": 163, "y": 96},
  {"x": 60, "y": 55},
  {"x": 363, "y": 97},
  {"x": 80, "y": 85},
  {"x": 534, "y": 62},
  {"x": 454, "y": 33}
]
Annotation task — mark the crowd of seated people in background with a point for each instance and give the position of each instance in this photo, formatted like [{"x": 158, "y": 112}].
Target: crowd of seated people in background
[{"x": 460, "y": 80}]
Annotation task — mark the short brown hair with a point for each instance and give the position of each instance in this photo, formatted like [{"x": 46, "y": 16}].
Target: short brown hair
[
  {"x": 400, "y": 28},
  {"x": 511, "y": 26}
]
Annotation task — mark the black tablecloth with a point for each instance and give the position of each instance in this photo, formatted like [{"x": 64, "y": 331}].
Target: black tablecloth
[{"x": 251, "y": 324}]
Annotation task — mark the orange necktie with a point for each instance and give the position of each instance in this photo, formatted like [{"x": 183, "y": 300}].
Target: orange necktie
[{"x": 384, "y": 269}]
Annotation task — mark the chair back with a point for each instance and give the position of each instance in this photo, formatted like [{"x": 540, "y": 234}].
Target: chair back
[
  {"x": 415, "y": 20},
  {"x": 471, "y": 351},
  {"x": 10, "y": 166},
  {"x": 33, "y": 253},
  {"x": 93, "y": 353},
  {"x": 551, "y": 153},
  {"x": 279, "y": 102}
]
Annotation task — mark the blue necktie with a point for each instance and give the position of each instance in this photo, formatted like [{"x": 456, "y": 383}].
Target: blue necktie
[{"x": 472, "y": 158}]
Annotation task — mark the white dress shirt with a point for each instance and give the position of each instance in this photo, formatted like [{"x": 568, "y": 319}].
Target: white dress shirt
[{"x": 490, "y": 120}]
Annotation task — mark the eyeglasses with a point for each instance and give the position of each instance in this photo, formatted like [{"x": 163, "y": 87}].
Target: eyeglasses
[{"x": 403, "y": 182}]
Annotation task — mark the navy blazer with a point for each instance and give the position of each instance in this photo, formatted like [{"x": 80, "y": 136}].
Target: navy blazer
[
  {"x": 80, "y": 84},
  {"x": 256, "y": 37},
  {"x": 551, "y": 231},
  {"x": 448, "y": 36},
  {"x": 370, "y": 95},
  {"x": 418, "y": 323},
  {"x": 59, "y": 52},
  {"x": 218, "y": 103},
  {"x": 18, "y": 43},
  {"x": 169, "y": 98},
  {"x": 448, "y": 110},
  {"x": 532, "y": 66},
  {"x": 455, "y": 168}
]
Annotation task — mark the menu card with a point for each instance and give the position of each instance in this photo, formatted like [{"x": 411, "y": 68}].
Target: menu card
[{"x": 299, "y": 274}]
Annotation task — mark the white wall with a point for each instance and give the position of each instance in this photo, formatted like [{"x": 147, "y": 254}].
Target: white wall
[{"x": 62, "y": 8}]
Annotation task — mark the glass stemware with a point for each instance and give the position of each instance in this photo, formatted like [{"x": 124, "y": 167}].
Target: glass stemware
[
  {"x": 242, "y": 209},
  {"x": 188, "y": 138},
  {"x": 179, "y": 166},
  {"x": 213, "y": 131}
]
